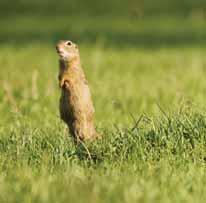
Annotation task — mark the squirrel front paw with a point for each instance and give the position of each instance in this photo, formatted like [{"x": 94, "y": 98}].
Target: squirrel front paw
[{"x": 63, "y": 83}]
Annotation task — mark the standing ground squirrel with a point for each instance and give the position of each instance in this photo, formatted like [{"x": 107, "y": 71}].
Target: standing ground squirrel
[{"x": 76, "y": 107}]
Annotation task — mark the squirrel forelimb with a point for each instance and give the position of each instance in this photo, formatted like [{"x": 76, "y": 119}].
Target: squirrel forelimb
[{"x": 63, "y": 83}]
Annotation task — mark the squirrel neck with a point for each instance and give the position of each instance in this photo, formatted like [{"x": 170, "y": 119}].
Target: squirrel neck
[{"x": 69, "y": 65}]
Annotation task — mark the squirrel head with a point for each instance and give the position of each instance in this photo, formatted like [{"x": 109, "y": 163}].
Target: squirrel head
[{"x": 67, "y": 50}]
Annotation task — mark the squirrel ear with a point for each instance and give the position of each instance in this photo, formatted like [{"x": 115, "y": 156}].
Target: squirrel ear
[{"x": 76, "y": 46}]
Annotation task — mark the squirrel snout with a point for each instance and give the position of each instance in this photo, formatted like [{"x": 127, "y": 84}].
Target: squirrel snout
[{"x": 59, "y": 49}]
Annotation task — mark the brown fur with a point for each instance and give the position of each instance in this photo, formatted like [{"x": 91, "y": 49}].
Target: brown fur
[{"x": 76, "y": 107}]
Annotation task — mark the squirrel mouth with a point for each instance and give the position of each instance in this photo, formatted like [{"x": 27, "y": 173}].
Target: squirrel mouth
[{"x": 61, "y": 53}]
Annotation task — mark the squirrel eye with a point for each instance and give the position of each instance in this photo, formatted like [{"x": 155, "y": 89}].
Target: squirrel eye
[{"x": 69, "y": 43}]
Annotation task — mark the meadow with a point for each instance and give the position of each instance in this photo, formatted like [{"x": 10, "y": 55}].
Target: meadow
[{"x": 147, "y": 77}]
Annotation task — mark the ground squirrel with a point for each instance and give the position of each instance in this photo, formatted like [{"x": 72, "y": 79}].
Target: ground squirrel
[{"x": 76, "y": 107}]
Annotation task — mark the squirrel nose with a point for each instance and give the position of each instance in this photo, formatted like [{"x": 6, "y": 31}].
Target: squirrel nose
[{"x": 59, "y": 49}]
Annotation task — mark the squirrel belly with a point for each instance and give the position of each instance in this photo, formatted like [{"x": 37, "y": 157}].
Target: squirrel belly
[{"x": 77, "y": 111}]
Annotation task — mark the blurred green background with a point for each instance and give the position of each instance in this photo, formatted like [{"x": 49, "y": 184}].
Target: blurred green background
[{"x": 117, "y": 22}]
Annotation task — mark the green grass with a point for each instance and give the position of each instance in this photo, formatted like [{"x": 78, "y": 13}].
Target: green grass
[{"x": 147, "y": 79}]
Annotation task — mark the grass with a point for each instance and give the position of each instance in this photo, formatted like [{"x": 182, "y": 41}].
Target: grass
[{"x": 150, "y": 107}]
